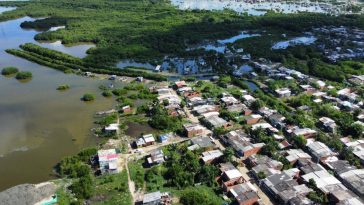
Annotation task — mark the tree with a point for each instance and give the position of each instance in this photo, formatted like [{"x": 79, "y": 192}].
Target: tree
[
  {"x": 83, "y": 188},
  {"x": 199, "y": 196},
  {"x": 356, "y": 130},
  {"x": 300, "y": 141},
  {"x": 24, "y": 75},
  {"x": 107, "y": 93},
  {"x": 256, "y": 105},
  {"x": 261, "y": 175},
  {"x": 228, "y": 154},
  {"x": 88, "y": 97},
  {"x": 9, "y": 71}
]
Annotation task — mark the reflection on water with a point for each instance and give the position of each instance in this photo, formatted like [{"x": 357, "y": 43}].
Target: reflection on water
[
  {"x": 76, "y": 50},
  {"x": 3, "y": 9},
  {"x": 130, "y": 63},
  {"x": 40, "y": 125}
]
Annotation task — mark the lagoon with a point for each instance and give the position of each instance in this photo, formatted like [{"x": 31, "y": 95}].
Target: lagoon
[{"x": 40, "y": 125}]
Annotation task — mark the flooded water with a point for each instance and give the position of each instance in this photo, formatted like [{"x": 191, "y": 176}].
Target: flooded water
[
  {"x": 305, "y": 40},
  {"x": 130, "y": 63},
  {"x": 252, "y": 86},
  {"x": 255, "y": 9},
  {"x": 137, "y": 129},
  {"x": 3, "y": 9},
  {"x": 40, "y": 125},
  {"x": 75, "y": 50}
]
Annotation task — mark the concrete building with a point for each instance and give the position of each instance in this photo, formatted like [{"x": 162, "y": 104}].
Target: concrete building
[
  {"x": 244, "y": 194},
  {"x": 157, "y": 198},
  {"x": 195, "y": 129},
  {"x": 156, "y": 157},
  {"x": 210, "y": 157},
  {"x": 319, "y": 151},
  {"x": 328, "y": 124},
  {"x": 283, "y": 92},
  {"x": 240, "y": 142},
  {"x": 108, "y": 161}
]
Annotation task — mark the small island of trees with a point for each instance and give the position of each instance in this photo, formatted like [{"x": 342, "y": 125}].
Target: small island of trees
[
  {"x": 24, "y": 75},
  {"x": 88, "y": 97},
  {"x": 63, "y": 87},
  {"x": 9, "y": 71}
]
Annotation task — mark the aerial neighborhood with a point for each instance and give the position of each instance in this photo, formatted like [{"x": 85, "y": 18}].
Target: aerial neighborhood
[{"x": 288, "y": 146}]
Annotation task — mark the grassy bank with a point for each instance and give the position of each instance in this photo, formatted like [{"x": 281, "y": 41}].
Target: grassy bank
[{"x": 64, "y": 62}]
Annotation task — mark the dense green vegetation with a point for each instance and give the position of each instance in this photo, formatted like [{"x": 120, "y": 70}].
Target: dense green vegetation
[
  {"x": 65, "y": 62},
  {"x": 9, "y": 71},
  {"x": 43, "y": 24},
  {"x": 199, "y": 196},
  {"x": 160, "y": 119},
  {"x": 63, "y": 87},
  {"x": 137, "y": 174},
  {"x": 147, "y": 30},
  {"x": 88, "y": 97},
  {"x": 24, "y": 75}
]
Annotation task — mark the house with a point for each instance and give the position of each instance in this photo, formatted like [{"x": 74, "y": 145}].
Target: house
[
  {"x": 283, "y": 92},
  {"x": 195, "y": 129},
  {"x": 165, "y": 137},
  {"x": 356, "y": 145},
  {"x": 112, "y": 128},
  {"x": 183, "y": 90},
  {"x": 202, "y": 142},
  {"x": 179, "y": 84},
  {"x": 156, "y": 157},
  {"x": 215, "y": 121},
  {"x": 293, "y": 155},
  {"x": 282, "y": 187},
  {"x": 202, "y": 109},
  {"x": 354, "y": 180},
  {"x": 191, "y": 94},
  {"x": 157, "y": 198},
  {"x": 108, "y": 161},
  {"x": 229, "y": 100},
  {"x": 248, "y": 99},
  {"x": 266, "y": 112},
  {"x": 328, "y": 124},
  {"x": 126, "y": 109},
  {"x": 230, "y": 178},
  {"x": 307, "y": 166},
  {"x": 238, "y": 107},
  {"x": 308, "y": 89},
  {"x": 210, "y": 157},
  {"x": 324, "y": 180},
  {"x": 244, "y": 194},
  {"x": 145, "y": 140},
  {"x": 264, "y": 164},
  {"x": 305, "y": 132},
  {"x": 253, "y": 119},
  {"x": 139, "y": 79},
  {"x": 320, "y": 151},
  {"x": 149, "y": 139},
  {"x": 277, "y": 120},
  {"x": 240, "y": 142},
  {"x": 264, "y": 126}
]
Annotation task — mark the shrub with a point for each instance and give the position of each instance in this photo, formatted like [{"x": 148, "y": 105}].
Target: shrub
[
  {"x": 24, "y": 75},
  {"x": 107, "y": 93},
  {"x": 63, "y": 87},
  {"x": 9, "y": 71},
  {"x": 88, "y": 97}
]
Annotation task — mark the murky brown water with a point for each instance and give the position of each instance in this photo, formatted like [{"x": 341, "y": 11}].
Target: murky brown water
[{"x": 38, "y": 124}]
